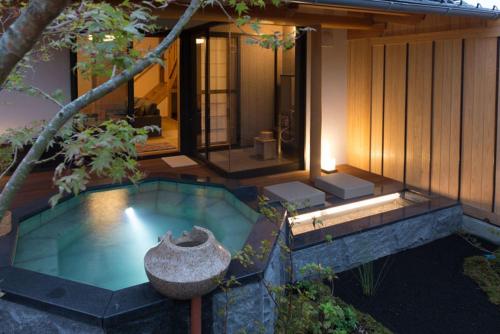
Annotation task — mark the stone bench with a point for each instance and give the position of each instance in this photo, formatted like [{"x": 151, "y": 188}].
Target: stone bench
[
  {"x": 297, "y": 193},
  {"x": 344, "y": 185}
]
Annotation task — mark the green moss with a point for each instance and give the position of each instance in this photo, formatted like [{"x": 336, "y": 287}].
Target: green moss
[
  {"x": 486, "y": 273},
  {"x": 366, "y": 323}
]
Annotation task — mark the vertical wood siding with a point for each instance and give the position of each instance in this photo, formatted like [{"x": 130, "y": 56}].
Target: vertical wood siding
[
  {"x": 478, "y": 139},
  {"x": 446, "y": 118},
  {"x": 359, "y": 97},
  {"x": 377, "y": 111},
  {"x": 419, "y": 113},
  {"x": 394, "y": 113},
  {"x": 426, "y": 113}
]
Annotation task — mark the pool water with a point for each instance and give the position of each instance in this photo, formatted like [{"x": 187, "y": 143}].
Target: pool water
[{"x": 100, "y": 238}]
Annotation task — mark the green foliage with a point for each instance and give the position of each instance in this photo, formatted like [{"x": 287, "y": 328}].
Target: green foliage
[
  {"x": 108, "y": 150},
  {"x": 366, "y": 323},
  {"x": 304, "y": 307},
  {"x": 105, "y": 151},
  {"x": 318, "y": 272},
  {"x": 12, "y": 141},
  {"x": 99, "y": 31},
  {"x": 245, "y": 256},
  {"x": 226, "y": 285},
  {"x": 242, "y": 9},
  {"x": 101, "y": 34},
  {"x": 485, "y": 271},
  {"x": 267, "y": 210},
  {"x": 6, "y": 157},
  {"x": 369, "y": 278},
  {"x": 365, "y": 274},
  {"x": 309, "y": 307}
]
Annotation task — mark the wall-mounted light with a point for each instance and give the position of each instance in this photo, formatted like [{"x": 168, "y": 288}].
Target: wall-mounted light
[{"x": 200, "y": 41}]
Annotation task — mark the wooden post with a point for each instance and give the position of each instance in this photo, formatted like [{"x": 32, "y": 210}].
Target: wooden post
[
  {"x": 315, "y": 124},
  {"x": 6, "y": 224},
  {"x": 196, "y": 315}
]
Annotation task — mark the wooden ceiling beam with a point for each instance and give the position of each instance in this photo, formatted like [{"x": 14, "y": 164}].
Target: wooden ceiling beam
[{"x": 279, "y": 16}]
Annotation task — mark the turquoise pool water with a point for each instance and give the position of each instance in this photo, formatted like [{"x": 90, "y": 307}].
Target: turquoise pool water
[{"x": 100, "y": 238}]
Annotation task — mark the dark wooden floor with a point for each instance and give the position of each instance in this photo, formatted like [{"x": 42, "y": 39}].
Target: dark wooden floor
[{"x": 39, "y": 185}]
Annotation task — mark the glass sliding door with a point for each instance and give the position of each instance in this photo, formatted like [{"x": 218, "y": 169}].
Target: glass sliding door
[
  {"x": 246, "y": 102},
  {"x": 216, "y": 93}
]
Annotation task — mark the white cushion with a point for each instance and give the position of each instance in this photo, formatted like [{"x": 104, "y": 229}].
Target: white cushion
[
  {"x": 297, "y": 193},
  {"x": 344, "y": 185}
]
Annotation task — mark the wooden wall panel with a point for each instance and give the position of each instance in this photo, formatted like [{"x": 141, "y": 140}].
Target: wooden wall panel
[
  {"x": 478, "y": 139},
  {"x": 377, "y": 111},
  {"x": 446, "y": 118},
  {"x": 418, "y": 138},
  {"x": 444, "y": 127},
  {"x": 394, "y": 111},
  {"x": 359, "y": 99},
  {"x": 496, "y": 203}
]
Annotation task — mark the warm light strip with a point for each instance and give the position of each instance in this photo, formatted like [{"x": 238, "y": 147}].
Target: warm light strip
[{"x": 343, "y": 208}]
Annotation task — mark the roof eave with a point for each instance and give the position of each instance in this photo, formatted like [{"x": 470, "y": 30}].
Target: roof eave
[{"x": 408, "y": 6}]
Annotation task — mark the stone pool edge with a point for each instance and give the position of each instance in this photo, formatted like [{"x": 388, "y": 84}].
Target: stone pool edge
[
  {"x": 141, "y": 303},
  {"x": 102, "y": 307}
]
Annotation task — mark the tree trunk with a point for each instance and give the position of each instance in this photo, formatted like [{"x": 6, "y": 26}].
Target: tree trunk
[
  {"x": 72, "y": 108},
  {"x": 22, "y": 35}
]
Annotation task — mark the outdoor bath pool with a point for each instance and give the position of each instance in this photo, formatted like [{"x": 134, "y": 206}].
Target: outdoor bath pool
[{"x": 100, "y": 238}]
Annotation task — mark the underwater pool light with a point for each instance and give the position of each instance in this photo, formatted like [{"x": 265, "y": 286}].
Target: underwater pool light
[{"x": 132, "y": 216}]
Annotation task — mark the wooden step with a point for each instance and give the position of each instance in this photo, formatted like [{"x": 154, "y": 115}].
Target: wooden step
[{"x": 158, "y": 93}]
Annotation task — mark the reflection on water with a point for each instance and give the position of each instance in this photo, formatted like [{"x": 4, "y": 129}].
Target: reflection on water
[{"x": 101, "y": 238}]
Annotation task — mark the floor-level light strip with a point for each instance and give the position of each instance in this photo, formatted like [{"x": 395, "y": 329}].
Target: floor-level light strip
[{"x": 343, "y": 208}]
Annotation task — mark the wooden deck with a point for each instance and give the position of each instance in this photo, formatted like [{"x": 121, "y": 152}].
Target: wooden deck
[{"x": 39, "y": 185}]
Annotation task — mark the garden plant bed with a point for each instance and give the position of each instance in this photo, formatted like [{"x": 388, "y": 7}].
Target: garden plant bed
[
  {"x": 366, "y": 322},
  {"x": 485, "y": 271},
  {"x": 424, "y": 290}
]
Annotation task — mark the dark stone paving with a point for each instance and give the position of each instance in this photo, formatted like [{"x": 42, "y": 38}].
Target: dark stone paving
[{"x": 15, "y": 318}]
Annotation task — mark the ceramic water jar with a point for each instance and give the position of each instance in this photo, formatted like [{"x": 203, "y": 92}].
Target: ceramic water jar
[{"x": 186, "y": 267}]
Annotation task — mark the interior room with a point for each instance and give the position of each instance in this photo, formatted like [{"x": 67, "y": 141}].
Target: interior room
[
  {"x": 155, "y": 99},
  {"x": 251, "y": 121}
]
